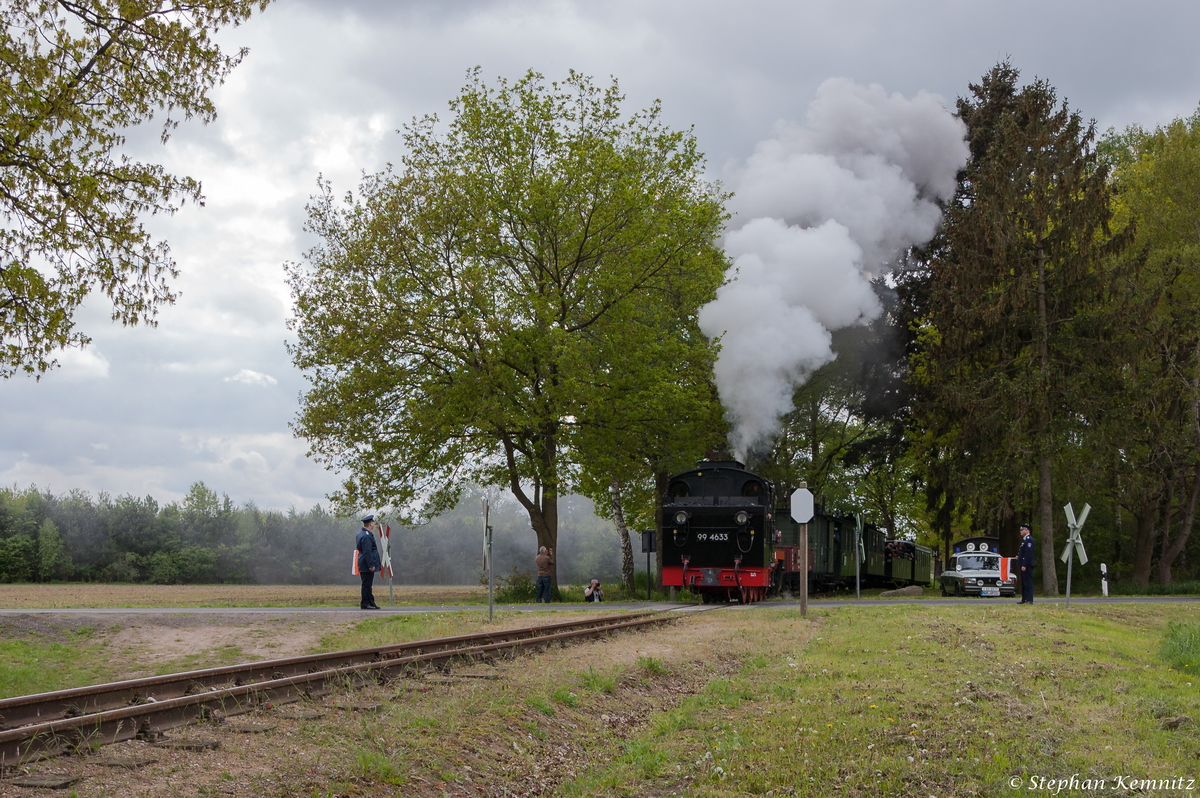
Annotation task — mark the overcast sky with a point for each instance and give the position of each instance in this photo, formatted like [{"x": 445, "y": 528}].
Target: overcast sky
[{"x": 209, "y": 393}]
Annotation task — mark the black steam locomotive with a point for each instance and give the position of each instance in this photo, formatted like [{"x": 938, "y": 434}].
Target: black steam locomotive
[
  {"x": 726, "y": 539},
  {"x": 717, "y": 529}
]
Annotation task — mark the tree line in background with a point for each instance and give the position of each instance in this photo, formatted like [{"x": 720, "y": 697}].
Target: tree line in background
[{"x": 207, "y": 539}]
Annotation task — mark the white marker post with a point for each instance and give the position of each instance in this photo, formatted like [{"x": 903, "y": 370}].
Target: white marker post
[
  {"x": 1104, "y": 579},
  {"x": 1074, "y": 542},
  {"x": 859, "y": 556},
  {"x": 802, "y": 513},
  {"x": 487, "y": 555}
]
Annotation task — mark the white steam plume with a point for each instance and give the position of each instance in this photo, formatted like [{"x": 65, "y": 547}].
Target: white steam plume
[{"x": 820, "y": 209}]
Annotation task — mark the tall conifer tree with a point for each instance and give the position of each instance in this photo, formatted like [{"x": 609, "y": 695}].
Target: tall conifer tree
[{"x": 1000, "y": 361}]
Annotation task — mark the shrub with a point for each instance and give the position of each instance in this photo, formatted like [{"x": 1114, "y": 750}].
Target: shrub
[{"x": 516, "y": 588}]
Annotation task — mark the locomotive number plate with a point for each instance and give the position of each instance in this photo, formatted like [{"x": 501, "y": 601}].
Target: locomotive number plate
[{"x": 710, "y": 536}]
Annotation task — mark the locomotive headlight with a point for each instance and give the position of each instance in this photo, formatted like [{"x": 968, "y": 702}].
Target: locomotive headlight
[
  {"x": 741, "y": 518},
  {"x": 681, "y": 517}
]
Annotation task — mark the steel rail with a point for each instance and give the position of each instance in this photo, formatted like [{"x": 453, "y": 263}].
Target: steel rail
[
  {"x": 43, "y": 707},
  {"x": 325, "y": 672}
]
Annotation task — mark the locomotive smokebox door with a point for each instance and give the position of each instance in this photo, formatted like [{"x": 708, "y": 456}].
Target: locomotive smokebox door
[{"x": 648, "y": 546}]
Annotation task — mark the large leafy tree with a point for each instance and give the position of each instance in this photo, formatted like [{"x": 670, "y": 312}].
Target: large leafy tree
[
  {"x": 1154, "y": 423},
  {"x": 1001, "y": 370},
  {"x": 654, "y": 411},
  {"x": 459, "y": 319},
  {"x": 78, "y": 74}
]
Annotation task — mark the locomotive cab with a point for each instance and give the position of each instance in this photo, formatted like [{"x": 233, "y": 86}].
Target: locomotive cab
[{"x": 717, "y": 531}]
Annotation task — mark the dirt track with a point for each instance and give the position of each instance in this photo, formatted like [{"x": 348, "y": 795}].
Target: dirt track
[{"x": 81, "y": 596}]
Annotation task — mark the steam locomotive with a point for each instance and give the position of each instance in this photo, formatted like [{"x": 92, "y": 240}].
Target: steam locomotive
[{"x": 726, "y": 538}]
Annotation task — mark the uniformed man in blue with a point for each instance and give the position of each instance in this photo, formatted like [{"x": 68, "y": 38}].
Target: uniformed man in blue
[
  {"x": 1025, "y": 564},
  {"x": 368, "y": 562}
]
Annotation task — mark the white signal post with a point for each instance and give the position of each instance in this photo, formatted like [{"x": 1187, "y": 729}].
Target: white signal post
[
  {"x": 487, "y": 555},
  {"x": 859, "y": 556},
  {"x": 1074, "y": 542},
  {"x": 802, "y": 513}
]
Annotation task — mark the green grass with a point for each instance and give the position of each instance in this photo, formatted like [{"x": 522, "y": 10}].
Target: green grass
[
  {"x": 562, "y": 695},
  {"x": 598, "y": 681},
  {"x": 652, "y": 666},
  {"x": 375, "y": 766},
  {"x": 1191, "y": 588},
  {"x": 1181, "y": 646},
  {"x": 389, "y": 629},
  {"x": 541, "y": 705},
  {"x": 38, "y": 666},
  {"x": 923, "y": 700}
]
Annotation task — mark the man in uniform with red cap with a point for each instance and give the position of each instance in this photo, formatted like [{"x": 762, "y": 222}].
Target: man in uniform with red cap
[{"x": 368, "y": 562}]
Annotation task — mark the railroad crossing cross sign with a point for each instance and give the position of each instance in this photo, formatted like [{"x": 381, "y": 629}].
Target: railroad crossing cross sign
[
  {"x": 802, "y": 505},
  {"x": 1073, "y": 537},
  {"x": 1074, "y": 542}
]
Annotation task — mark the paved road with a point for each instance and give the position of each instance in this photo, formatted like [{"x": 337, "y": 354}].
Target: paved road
[{"x": 815, "y": 604}]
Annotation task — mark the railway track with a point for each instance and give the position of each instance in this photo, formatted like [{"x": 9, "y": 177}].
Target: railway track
[{"x": 50, "y": 724}]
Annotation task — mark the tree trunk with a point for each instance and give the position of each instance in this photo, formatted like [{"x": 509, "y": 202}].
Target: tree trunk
[
  {"x": 660, "y": 491},
  {"x": 1045, "y": 495},
  {"x": 623, "y": 531},
  {"x": 1171, "y": 552},
  {"x": 943, "y": 522},
  {"x": 1008, "y": 529},
  {"x": 542, "y": 507},
  {"x": 1046, "y": 521},
  {"x": 1143, "y": 542}
]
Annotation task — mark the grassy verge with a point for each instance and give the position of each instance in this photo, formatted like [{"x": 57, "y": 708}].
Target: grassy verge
[
  {"x": 37, "y": 664},
  {"x": 389, "y": 629},
  {"x": 865, "y": 700},
  {"x": 52, "y": 655},
  {"x": 859, "y": 701},
  {"x": 931, "y": 701},
  {"x": 117, "y": 596}
]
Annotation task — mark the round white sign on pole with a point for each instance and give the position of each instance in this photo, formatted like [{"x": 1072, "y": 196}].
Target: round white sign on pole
[{"x": 802, "y": 505}]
